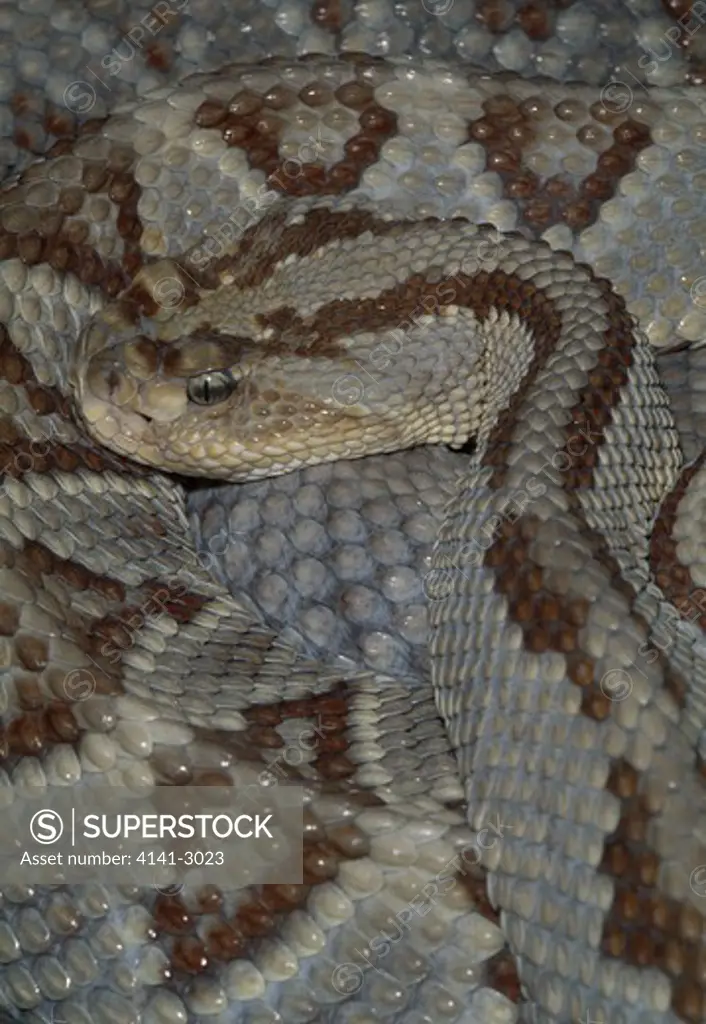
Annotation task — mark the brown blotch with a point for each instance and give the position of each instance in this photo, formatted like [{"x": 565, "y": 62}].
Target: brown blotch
[
  {"x": 189, "y": 955},
  {"x": 210, "y": 114},
  {"x": 536, "y": 21},
  {"x": 502, "y": 975},
  {"x": 264, "y": 736},
  {"x": 50, "y": 226},
  {"x": 523, "y": 186},
  {"x": 495, "y": 15},
  {"x": 677, "y": 9},
  {"x": 689, "y": 1001},
  {"x": 529, "y": 598},
  {"x": 22, "y": 104},
  {"x": 323, "y": 738},
  {"x": 672, "y": 576},
  {"x": 251, "y": 124},
  {"x": 30, "y": 248},
  {"x": 315, "y": 95},
  {"x": 320, "y": 863},
  {"x": 32, "y": 651},
  {"x": 473, "y": 879},
  {"x": 122, "y": 188},
  {"x": 631, "y": 137},
  {"x": 71, "y": 199},
  {"x": 102, "y": 639},
  {"x": 94, "y": 177},
  {"x": 91, "y": 127},
  {"x": 8, "y": 245},
  {"x": 120, "y": 158},
  {"x": 361, "y": 151},
  {"x": 110, "y": 633},
  {"x": 507, "y": 128},
  {"x": 29, "y": 693},
  {"x": 62, "y": 241},
  {"x": 212, "y": 777},
  {"x": 578, "y": 215},
  {"x": 60, "y": 148},
  {"x": 377, "y": 120},
  {"x": 674, "y": 683},
  {"x": 223, "y": 939},
  {"x": 34, "y": 560},
  {"x": 43, "y": 400},
  {"x": 255, "y": 920},
  {"x": 61, "y": 726},
  {"x": 182, "y": 606},
  {"x": 266, "y": 714},
  {"x": 225, "y": 943},
  {"x": 284, "y": 896},
  {"x": 75, "y": 232},
  {"x": 280, "y": 97},
  {"x": 9, "y": 619},
  {"x": 605, "y": 113},
  {"x": 117, "y": 632},
  {"x": 26, "y": 735},
  {"x": 159, "y": 55},
  {"x": 349, "y": 840},
  {"x": 335, "y": 766},
  {"x": 171, "y": 916},
  {"x": 328, "y": 14},
  {"x": 696, "y": 74},
  {"x": 645, "y": 927},
  {"x": 245, "y": 103},
  {"x": 321, "y": 729}
]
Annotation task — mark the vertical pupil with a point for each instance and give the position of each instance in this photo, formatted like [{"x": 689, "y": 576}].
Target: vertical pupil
[{"x": 209, "y": 388}]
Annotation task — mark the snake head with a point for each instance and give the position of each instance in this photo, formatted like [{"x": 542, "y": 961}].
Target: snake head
[{"x": 233, "y": 384}]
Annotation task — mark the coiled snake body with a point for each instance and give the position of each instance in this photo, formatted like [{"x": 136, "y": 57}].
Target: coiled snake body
[{"x": 204, "y": 284}]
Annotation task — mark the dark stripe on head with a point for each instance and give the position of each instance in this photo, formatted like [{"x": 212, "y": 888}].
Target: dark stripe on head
[
  {"x": 265, "y": 244},
  {"x": 401, "y": 307}
]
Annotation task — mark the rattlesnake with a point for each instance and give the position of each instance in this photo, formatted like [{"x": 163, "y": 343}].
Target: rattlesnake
[{"x": 566, "y": 541}]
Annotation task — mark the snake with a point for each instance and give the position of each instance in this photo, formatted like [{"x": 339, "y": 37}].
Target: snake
[{"x": 464, "y": 518}]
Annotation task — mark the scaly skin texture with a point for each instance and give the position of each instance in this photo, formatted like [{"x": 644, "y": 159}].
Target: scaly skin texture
[{"x": 534, "y": 608}]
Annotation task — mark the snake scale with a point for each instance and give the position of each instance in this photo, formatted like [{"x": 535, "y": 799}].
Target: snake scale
[{"x": 465, "y": 533}]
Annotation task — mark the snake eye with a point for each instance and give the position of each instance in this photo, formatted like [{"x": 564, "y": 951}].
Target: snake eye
[{"x": 210, "y": 388}]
